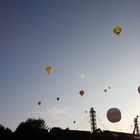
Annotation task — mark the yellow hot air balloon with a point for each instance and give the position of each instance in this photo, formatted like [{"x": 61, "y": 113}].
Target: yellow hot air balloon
[
  {"x": 49, "y": 69},
  {"x": 117, "y": 30}
]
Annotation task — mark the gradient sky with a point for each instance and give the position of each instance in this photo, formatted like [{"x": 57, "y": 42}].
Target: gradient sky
[{"x": 76, "y": 38}]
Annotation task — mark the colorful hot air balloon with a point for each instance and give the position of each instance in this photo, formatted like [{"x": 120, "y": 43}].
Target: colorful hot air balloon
[
  {"x": 114, "y": 115},
  {"x": 107, "y": 89},
  {"x": 81, "y": 92},
  {"x": 49, "y": 69},
  {"x": 117, "y": 30},
  {"x": 139, "y": 89}
]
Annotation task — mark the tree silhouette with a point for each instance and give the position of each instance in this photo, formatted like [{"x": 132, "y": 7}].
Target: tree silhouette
[
  {"x": 34, "y": 128},
  {"x": 5, "y": 132}
]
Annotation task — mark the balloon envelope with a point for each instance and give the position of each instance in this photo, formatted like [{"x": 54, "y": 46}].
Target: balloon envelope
[
  {"x": 105, "y": 90},
  {"x": 114, "y": 115},
  {"x": 81, "y": 92},
  {"x": 39, "y": 102},
  {"x": 139, "y": 89},
  {"x": 57, "y": 98},
  {"x": 109, "y": 87},
  {"x": 49, "y": 69},
  {"x": 117, "y": 30}
]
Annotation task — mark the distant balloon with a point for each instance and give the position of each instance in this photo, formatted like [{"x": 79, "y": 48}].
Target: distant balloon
[
  {"x": 57, "y": 98},
  {"x": 139, "y": 89},
  {"x": 74, "y": 121},
  {"x": 114, "y": 115},
  {"x": 81, "y": 92},
  {"x": 39, "y": 102},
  {"x": 109, "y": 87},
  {"x": 117, "y": 30},
  {"x": 105, "y": 90},
  {"x": 49, "y": 69}
]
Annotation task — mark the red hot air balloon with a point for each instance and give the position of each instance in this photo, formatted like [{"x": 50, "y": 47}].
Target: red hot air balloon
[
  {"x": 81, "y": 92},
  {"x": 114, "y": 115}
]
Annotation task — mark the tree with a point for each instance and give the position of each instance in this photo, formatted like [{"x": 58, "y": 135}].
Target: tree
[
  {"x": 32, "y": 128},
  {"x": 5, "y": 132}
]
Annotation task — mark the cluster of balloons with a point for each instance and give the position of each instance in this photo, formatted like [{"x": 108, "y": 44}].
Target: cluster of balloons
[
  {"x": 113, "y": 114},
  {"x": 39, "y": 102},
  {"x": 49, "y": 70},
  {"x": 107, "y": 89},
  {"x": 81, "y": 92}
]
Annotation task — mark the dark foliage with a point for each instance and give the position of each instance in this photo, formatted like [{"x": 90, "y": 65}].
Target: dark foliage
[
  {"x": 32, "y": 128},
  {"x": 36, "y": 129},
  {"x": 5, "y": 132}
]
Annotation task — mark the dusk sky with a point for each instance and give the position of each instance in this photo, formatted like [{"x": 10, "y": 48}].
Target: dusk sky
[{"x": 76, "y": 38}]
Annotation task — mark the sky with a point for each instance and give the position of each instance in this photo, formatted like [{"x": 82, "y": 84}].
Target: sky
[{"x": 75, "y": 38}]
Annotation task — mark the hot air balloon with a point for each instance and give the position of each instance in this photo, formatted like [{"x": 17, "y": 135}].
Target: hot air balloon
[
  {"x": 109, "y": 87},
  {"x": 57, "y": 98},
  {"x": 49, "y": 69},
  {"x": 139, "y": 89},
  {"x": 39, "y": 102},
  {"x": 81, "y": 92},
  {"x": 105, "y": 90},
  {"x": 114, "y": 115},
  {"x": 74, "y": 121},
  {"x": 117, "y": 30}
]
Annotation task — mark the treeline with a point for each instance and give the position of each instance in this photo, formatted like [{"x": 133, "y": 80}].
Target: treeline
[
  {"x": 31, "y": 128},
  {"x": 37, "y": 129}
]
